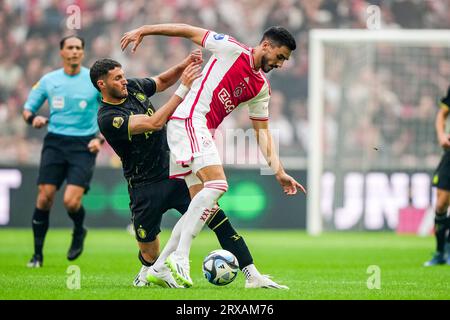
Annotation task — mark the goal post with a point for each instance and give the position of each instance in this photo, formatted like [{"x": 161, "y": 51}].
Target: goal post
[{"x": 341, "y": 46}]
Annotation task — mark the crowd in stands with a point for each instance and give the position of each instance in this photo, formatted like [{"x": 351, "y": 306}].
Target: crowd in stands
[{"x": 398, "y": 114}]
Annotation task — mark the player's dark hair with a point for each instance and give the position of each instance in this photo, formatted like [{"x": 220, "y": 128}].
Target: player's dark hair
[
  {"x": 279, "y": 37},
  {"x": 63, "y": 41},
  {"x": 100, "y": 68}
]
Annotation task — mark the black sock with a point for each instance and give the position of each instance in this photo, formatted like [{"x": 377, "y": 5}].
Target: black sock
[
  {"x": 78, "y": 219},
  {"x": 447, "y": 224},
  {"x": 440, "y": 228},
  {"x": 143, "y": 261},
  {"x": 229, "y": 239},
  {"x": 40, "y": 227}
]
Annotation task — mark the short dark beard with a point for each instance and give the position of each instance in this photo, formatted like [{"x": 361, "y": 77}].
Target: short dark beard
[
  {"x": 265, "y": 65},
  {"x": 117, "y": 95}
]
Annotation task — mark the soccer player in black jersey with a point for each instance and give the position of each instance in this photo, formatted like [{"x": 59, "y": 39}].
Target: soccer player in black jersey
[
  {"x": 137, "y": 133},
  {"x": 441, "y": 180}
]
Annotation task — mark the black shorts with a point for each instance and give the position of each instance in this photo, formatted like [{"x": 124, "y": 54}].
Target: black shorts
[
  {"x": 66, "y": 158},
  {"x": 441, "y": 178},
  {"x": 148, "y": 203}
]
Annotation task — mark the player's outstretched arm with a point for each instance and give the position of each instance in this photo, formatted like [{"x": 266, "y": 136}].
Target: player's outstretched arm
[
  {"x": 267, "y": 147},
  {"x": 95, "y": 144},
  {"x": 195, "y": 34},
  {"x": 170, "y": 76},
  {"x": 142, "y": 123}
]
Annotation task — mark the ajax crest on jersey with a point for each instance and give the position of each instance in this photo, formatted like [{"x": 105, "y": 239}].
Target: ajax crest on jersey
[{"x": 220, "y": 267}]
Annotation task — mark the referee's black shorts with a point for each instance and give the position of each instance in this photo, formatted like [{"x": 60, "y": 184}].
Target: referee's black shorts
[
  {"x": 66, "y": 158},
  {"x": 441, "y": 178},
  {"x": 148, "y": 202}
]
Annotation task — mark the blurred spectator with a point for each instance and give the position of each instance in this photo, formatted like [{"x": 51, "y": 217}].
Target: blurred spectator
[
  {"x": 32, "y": 29},
  {"x": 301, "y": 125},
  {"x": 279, "y": 124}
]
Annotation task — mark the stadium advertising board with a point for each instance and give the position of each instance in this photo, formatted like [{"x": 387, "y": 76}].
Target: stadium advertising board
[
  {"x": 355, "y": 201},
  {"x": 399, "y": 201},
  {"x": 252, "y": 201}
]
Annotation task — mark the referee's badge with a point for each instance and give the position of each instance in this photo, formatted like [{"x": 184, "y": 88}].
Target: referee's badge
[
  {"x": 117, "y": 122},
  {"x": 58, "y": 102},
  {"x": 141, "y": 233}
]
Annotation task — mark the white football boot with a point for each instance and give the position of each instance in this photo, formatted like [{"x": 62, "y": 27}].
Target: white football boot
[
  {"x": 141, "y": 278},
  {"x": 162, "y": 278},
  {"x": 179, "y": 265},
  {"x": 263, "y": 281}
]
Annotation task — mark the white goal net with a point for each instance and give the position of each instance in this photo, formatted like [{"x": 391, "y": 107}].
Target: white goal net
[{"x": 373, "y": 98}]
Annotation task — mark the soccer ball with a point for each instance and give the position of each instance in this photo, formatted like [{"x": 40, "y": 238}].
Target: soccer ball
[{"x": 220, "y": 267}]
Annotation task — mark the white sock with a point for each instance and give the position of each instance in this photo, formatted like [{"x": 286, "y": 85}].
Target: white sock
[
  {"x": 250, "y": 271},
  {"x": 170, "y": 246},
  {"x": 199, "y": 211}
]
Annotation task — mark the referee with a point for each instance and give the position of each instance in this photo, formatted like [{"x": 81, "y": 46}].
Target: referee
[
  {"x": 70, "y": 147},
  {"x": 137, "y": 133}
]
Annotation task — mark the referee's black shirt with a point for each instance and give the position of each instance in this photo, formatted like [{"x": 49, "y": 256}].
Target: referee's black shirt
[{"x": 145, "y": 157}]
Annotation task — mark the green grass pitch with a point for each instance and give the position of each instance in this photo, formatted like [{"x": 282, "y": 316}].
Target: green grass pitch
[{"x": 332, "y": 266}]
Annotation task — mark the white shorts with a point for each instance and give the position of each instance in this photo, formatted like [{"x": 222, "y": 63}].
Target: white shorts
[{"x": 191, "y": 147}]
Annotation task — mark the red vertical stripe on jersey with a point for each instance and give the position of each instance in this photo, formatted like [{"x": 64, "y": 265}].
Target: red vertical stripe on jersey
[
  {"x": 239, "y": 84},
  {"x": 193, "y": 135},
  {"x": 189, "y": 135},
  {"x": 201, "y": 88}
]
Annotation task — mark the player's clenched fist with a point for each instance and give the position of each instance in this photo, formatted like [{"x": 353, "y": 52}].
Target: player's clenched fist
[{"x": 39, "y": 122}]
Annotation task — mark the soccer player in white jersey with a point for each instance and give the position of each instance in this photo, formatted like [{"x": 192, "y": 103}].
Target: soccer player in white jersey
[{"x": 233, "y": 77}]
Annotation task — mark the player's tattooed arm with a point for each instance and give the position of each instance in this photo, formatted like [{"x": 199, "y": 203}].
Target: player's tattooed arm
[
  {"x": 170, "y": 76},
  {"x": 195, "y": 34}
]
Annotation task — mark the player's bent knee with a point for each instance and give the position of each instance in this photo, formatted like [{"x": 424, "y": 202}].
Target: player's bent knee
[
  {"x": 220, "y": 186},
  {"x": 442, "y": 201},
  {"x": 210, "y": 173},
  {"x": 442, "y": 209},
  {"x": 44, "y": 203},
  {"x": 442, "y": 205},
  {"x": 44, "y": 199},
  {"x": 72, "y": 205}
]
